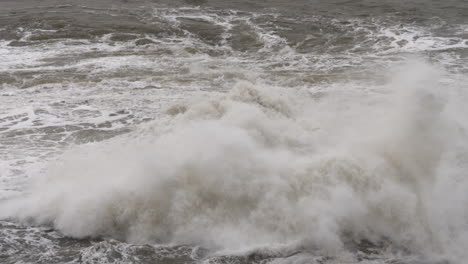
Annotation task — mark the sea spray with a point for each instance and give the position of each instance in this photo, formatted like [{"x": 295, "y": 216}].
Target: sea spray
[{"x": 264, "y": 166}]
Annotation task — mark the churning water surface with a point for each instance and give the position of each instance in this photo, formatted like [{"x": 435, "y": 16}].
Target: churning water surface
[{"x": 203, "y": 131}]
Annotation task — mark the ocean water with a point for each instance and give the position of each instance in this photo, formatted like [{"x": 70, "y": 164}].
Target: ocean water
[{"x": 203, "y": 131}]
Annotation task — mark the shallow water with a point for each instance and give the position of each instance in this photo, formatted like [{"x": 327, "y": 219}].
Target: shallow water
[{"x": 233, "y": 131}]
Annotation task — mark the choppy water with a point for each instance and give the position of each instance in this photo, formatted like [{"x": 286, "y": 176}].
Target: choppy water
[{"x": 234, "y": 131}]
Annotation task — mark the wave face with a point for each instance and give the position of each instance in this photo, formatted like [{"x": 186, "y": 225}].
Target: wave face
[{"x": 198, "y": 132}]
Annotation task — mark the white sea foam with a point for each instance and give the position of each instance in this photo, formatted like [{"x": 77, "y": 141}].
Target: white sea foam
[{"x": 271, "y": 166}]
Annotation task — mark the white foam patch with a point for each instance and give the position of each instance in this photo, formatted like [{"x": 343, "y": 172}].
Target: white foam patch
[{"x": 412, "y": 39}]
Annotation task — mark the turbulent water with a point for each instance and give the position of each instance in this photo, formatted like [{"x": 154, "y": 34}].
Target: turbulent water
[{"x": 203, "y": 131}]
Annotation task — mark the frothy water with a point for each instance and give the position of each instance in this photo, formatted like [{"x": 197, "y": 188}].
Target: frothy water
[{"x": 213, "y": 135}]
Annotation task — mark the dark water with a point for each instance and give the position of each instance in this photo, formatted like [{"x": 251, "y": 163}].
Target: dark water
[{"x": 202, "y": 131}]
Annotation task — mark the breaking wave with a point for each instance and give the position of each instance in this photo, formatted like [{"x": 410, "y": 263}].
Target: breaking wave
[{"x": 264, "y": 166}]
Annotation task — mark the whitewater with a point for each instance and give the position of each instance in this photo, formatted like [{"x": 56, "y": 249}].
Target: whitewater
[{"x": 200, "y": 133}]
